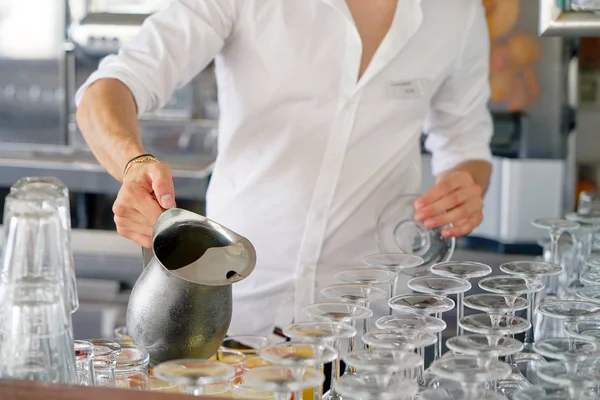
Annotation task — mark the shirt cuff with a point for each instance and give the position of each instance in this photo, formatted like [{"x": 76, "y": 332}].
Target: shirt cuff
[
  {"x": 141, "y": 95},
  {"x": 445, "y": 160}
]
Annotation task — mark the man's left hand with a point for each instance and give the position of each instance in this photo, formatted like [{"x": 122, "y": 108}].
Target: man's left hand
[{"x": 456, "y": 199}]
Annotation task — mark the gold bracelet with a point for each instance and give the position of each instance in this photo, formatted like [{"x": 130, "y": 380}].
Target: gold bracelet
[{"x": 138, "y": 160}]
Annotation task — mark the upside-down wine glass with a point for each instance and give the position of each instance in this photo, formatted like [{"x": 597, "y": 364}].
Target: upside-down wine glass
[
  {"x": 395, "y": 263},
  {"x": 461, "y": 270}
]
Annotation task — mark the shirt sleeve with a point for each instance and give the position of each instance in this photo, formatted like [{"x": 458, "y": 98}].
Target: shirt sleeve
[
  {"x": 172, "y": 47},
  {"x": 459, "y": 127}
]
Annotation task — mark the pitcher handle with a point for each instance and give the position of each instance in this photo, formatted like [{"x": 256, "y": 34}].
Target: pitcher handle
[{"x": 147, "y": 256}]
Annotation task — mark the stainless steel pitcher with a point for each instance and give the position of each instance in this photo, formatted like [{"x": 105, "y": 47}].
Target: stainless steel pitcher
[{"x": 181, "y": 304}]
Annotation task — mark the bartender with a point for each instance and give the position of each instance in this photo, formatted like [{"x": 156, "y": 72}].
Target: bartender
[{"x": 322, "y": 104}]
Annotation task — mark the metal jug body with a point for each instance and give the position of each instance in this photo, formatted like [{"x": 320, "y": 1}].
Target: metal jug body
[
  {"x": 181, "y": 305},
  {"x": 173, "y": 318}
]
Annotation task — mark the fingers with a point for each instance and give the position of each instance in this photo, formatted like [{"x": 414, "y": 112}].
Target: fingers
[
  {"x": 448, "y": 202},
  {"x": 142, "y": 240},
  {"x": 462, "y": 210},
  {"x": 438, "y": 191},
  {"x": 463, "y": 226},
  {"x": 162, "y": 184},
  {"x": 137, "y": 206}
]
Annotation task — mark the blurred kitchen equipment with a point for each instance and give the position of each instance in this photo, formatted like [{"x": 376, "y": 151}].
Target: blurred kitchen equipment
[
  {"x": 180, "y": 307},
  {"x": 569, "y": 18}
]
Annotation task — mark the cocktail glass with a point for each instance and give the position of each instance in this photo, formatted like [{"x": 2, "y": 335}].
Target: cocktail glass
[
  {"x": 440, "y": 286},
  {"x": 444, "y": 394},
  {"x": 381, "y": 365},
  {"x": 490, "y": 324},
  {"x": 590, "y": 278},
  {"x": 593, "y": 262},
  {"x": 423, "y": 305},
  {"x": 584, "y": 330},
  {"x": 299, "y": 356},
  {"x": 584, "y": 236},
  {"x": 568, "y": 311},
  {"x": 462, "y": 270},
  {"x": 485, "y": 346},
  {"x": 355, "y": 293},
  {"x": 571, "y": 352},
  {"x": 496, "y": 303},
  {"x": 194, "y": 375},
  {"x": 515, "y": 285},
  {"x": 589, "y": 293},
  {"x": 359, "y": 387},
  {"x": 556, "y": 227},
  {"x": 282, "y": 381},
  {"x": 402, "y": 340},
  {"x": 393, "y": 262},
  {"x": 472, "y": 373},
  {"x": 530, "y": 270},
  {"x": 344, "y": 313}
]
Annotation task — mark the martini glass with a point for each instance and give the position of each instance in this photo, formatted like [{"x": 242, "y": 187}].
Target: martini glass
[
  {"x": 359, "y": 387},
  {"x": 355, "y": 293},
  {"x": 282, "y": 381},
  {"x": 589, "y": 226},
  {"x": 556, "y": 227},
  {"x": 401, "y": 340},
  {"x": 380, "y": 365},
  {"x": 443, "y": 394},
  {"x": 463, "y": 270},
  {"x": 345, "y": 313},
  {"x": 424, "y": 305},
  {"x": 589, "y": 293},
  {"x": 299, "y": 356},
  {"x": 490, "y": 324},
  {"x": 515, "y": 285},
  {"x": 440, "y": 286},
  {"x": 541, "y": 393},
  {"x": 395, "y": 263},
  {"x": 486, "y": 346},
  {"x": 194, "y": 375},
  {"x": 413, "y": 322},
  {"x": 496, "y": 303},
  {"x": 571, "y": 352},
  {"x": 590, "y": 278},
  {"x": 472, "y": 372},
  {"x": 331, "y": 333},
  {"x": 577, "y": 384},
  {"x": 532, "y": 270},
  {"x": 584, "y": 330},
  {"x": 570, "y": 310},
  {"x": 593, "y": 262}
]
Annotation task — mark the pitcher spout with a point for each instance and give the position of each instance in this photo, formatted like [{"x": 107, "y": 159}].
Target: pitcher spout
[{"x": 200, "y": 250}]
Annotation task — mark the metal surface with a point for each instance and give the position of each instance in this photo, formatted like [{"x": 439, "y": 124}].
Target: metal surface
[
  {"x": 554, "y": 21},
  {"x": 180, "y": 307}
]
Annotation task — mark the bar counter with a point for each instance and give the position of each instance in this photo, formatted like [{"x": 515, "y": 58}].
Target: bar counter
[{"x": 27, "y": 390}]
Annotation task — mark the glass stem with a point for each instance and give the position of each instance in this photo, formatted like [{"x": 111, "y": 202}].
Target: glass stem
[
  {"x": 335, "y": 372},
  {"x": 554, "y": 237},
  {"x": 459, "y": 312},
  {"x": 365, "y": 324},
  {"x": 529, "y": 337},
  {"x": 319, "y": 389},
  {"x": 393, "y": 286},
  {"x": 439, "y": 345}
]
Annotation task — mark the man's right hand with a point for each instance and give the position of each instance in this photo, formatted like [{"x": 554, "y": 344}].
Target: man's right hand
[{"x": 147, "y": 190}]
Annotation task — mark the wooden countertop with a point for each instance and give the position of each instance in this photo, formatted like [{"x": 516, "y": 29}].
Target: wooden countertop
[{"x": 27, "y": 390}]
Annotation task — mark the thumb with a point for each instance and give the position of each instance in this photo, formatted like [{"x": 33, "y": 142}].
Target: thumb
[{"x": 162, "y": 184}]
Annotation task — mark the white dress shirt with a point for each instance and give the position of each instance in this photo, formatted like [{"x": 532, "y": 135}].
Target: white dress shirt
[{"x": 308, "y": 154}]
